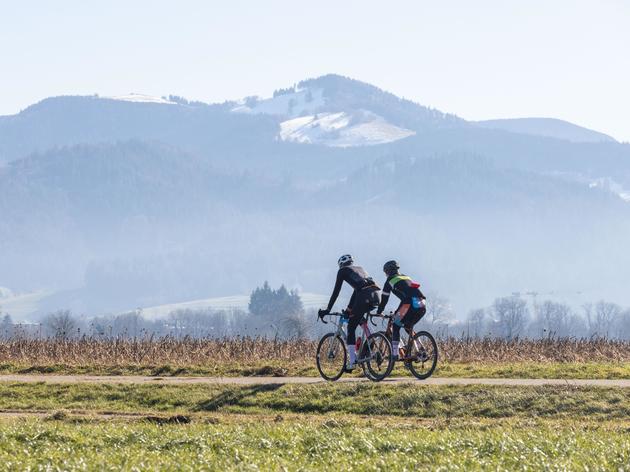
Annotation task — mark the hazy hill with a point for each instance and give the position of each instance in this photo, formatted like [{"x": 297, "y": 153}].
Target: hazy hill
[
  {"x": 549, "y": 127},
  {"x": 118, "y": 203}
]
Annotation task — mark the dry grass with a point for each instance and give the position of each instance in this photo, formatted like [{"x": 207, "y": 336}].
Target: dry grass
[
  {"x": 237, "y": 350},
  {"x": 543, "y": 350},
  {"x": 153, "y": 351}
]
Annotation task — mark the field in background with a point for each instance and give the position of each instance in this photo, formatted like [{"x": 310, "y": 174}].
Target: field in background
[
  {"x": 236, "y": 302},
  {"x": 568, "y": 358}
]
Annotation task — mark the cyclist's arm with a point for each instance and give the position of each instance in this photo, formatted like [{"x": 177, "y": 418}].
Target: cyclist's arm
[
  {"x": 387, "y": 288},
  {"x": 336, "y": 290},
  {"x": 352, "y": 298}
]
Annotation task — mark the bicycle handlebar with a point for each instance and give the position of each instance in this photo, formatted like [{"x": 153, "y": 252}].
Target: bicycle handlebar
[{"x": 321, "y": 316}]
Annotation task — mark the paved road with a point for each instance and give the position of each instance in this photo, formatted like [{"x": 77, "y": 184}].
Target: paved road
[{"x": 625, "y": 383}]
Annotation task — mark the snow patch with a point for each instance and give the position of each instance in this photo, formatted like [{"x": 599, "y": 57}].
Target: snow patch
[
  {"x": 140, "y": 98},
  {"x": 608, "y": 184},
  {"x": 342, "y": 129},
  {"x": 293, "y": 104}
]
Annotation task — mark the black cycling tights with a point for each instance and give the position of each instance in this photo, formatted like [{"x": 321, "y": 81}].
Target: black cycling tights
[
  {"x": 364, "y": 301},
  {"x": 410, "y": 319}
]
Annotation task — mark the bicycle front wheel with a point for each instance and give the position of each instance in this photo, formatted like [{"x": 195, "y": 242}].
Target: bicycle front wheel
[
  {"x": 377, "y": 353},
  {"x": 331, "y": 357},
  {"x": 422, "y": 355}
]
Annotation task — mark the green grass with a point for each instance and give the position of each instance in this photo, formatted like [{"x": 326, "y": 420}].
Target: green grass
[
  {"x": 306, "y": 367},
  {"x": 356, "y": 398},
  {"x": 352, "y": 426},
  {"x": 344, "y": 444}
]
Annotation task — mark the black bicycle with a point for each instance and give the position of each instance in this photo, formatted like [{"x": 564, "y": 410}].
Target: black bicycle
[{"x": 418, "y": 351}]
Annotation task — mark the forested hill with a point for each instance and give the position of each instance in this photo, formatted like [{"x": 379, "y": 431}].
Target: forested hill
[{"x": 122, "y": 202}]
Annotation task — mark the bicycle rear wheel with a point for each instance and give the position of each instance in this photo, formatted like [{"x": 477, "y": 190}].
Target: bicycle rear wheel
[
  {"x": 422, "y": 355},
  {"x": 377, "y": 352},
  {"x": 331, "y": 357}
]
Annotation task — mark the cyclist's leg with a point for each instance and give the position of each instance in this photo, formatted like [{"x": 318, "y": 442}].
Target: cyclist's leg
[
  {"x": 353, "y": 323},
  {"x": 364, "y": 301},
  {"x": 401, "y": 314},
  {"x": 413, "y": 316}
]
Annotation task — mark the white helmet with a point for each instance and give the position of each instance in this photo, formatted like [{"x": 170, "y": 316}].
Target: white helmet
[{"x": 345, "y": 260}]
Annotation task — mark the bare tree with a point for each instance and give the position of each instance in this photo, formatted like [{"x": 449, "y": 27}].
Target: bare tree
[
  {"x": 624, "y": 324},
  {"x": 438, "y": 309},
  {"x": 60, "y": 324},
  {"x": 511, "y": 315},
  {"x": 439, "y": 313},
  {"x": 475, "y": 322},
  {"x": 605, "y": 316},
  {"x": 295, "y": 326},
  {"x": 553, "y": 319}
]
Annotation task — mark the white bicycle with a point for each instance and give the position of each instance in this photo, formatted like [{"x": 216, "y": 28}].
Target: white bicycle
[{"x": 374, "y": 350}]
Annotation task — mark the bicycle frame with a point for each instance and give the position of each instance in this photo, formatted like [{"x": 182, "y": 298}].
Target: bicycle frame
[
  {"x": 403, "y": 345},
  {"x": 363, "y": 336}
]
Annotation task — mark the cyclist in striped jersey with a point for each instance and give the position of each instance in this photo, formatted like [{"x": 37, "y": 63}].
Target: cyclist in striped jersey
[{"x": 412, "y": 301}]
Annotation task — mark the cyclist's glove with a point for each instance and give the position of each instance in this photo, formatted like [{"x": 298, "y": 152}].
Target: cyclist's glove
[{"x": 322, "y": 313}]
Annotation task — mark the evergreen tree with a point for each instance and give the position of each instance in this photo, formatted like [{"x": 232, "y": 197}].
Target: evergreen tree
[
  {"x": 6, "y": 327},
  {"x": 261, "y": 301},
  {"x": 265, "y": 302}
]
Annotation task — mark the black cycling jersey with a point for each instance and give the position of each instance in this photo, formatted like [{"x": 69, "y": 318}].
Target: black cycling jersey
[
  {"x": 403, "y": 287},
  {"x": 356, "y": 277}
]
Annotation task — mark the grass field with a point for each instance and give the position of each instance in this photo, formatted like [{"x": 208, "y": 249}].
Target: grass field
[
  {"x": 313, "y": 427},
  {"x": 351, "y": 426},
  {"x": 524, "y": 370},
  {"x": 366, "y": 399},
  {"x": 313, "y": 444}
]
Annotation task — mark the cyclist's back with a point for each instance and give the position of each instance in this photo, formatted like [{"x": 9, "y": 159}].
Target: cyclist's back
[
  {"x": 355, "y": 276},
  {"x": 412, "y": 301},
  {"x": 403, "y": 287},
  {"x": 364, "y": 297}
]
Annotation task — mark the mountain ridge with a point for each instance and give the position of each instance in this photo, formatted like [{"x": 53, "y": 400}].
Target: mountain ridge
[
  {"x": 118, "y": 204},
  {"x": 548, "y": 127}
]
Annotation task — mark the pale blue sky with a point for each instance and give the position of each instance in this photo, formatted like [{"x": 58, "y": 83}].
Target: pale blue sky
[{"x": 484, "y": 59}]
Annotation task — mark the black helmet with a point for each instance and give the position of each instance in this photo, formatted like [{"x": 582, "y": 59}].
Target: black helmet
[
  {"x": 345, "y": 260},
  {"x": 391, "y": 267}
]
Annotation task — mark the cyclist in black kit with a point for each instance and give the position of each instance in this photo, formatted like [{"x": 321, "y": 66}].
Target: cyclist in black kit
[
  {"x": 364, "y": 298},
  {"x": 412, "y": 301}
]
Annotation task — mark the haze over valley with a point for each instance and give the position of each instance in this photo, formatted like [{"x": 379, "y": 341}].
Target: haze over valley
[{"x": 113, "y": 203}]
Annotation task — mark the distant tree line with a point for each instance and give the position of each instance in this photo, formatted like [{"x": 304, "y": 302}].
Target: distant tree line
[
  {"x": 511, "y": 317},
  {"x": 272, "y": 313},
  {"x": 280, "y": 313}
]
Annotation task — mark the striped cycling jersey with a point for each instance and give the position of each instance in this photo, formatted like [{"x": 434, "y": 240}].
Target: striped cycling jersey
[{"x": 403, "y": 287}]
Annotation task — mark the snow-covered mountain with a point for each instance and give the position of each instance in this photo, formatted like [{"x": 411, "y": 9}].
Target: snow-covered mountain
[
  {"x": 141, "y": 98},
  {"x": 306, "y": 120},
  {"x": 342, "y": 129},
  {"x": 129, "y": 201},
  {"x": 340, "y": 112},
  {"x": 288, "y": 104}
]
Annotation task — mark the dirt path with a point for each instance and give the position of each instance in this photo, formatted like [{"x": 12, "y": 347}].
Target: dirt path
[{"x": 625, "y": 383}]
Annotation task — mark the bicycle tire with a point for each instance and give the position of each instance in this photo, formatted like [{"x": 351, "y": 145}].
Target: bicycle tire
[
  {"x": 422, "y": 375},
  {"x": 377, "y": 341},
  {"x": 393, "y": 363},
  {"x": 337, "y": 339}
]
